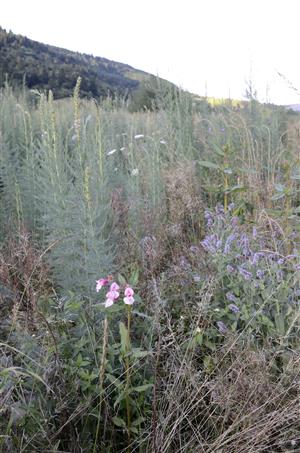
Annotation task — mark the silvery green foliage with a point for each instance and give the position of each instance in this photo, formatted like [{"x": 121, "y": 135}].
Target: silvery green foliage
[
  {"x": 55, "y": 184},
  {"x": 73, "y": 202}
]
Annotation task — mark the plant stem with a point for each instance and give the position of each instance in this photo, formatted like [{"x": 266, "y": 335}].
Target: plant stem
[
  {"x": 101, "y": 378},
  {"x": 127, "y": 366}
]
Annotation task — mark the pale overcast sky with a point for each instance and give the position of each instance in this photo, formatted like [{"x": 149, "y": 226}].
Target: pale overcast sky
[{"x": 206, "y": 46}]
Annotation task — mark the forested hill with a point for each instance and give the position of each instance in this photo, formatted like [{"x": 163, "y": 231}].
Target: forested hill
[{"x": 49, "y": 67}]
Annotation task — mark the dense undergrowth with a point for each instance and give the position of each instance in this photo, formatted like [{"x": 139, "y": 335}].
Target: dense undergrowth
[{"x": 197, "y": 210}]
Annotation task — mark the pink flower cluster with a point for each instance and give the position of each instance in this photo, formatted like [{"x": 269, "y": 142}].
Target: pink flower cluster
[{"x": 113, "y": 293}]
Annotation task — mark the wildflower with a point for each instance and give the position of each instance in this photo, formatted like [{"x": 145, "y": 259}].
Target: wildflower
[
  {"x": 211, "y": 243},
  {"x": 209, "y": 218},
  {"x": 221, "y": 327},
  {"x": 244, "y": 243},
  {"x": 129, "y": 300},
  {"x": 231, "y": 206},
  {"x": 219, "y": 244},
  {"x": 163, "y": 142},
  {"x": 112, "y": 295},
  {"x": 235, "y": 221},
  {"x": 219, "y": 209},
  {"x": 128, "y": 291},
  {"x": 138, "y": 136},
  {"x": 229, "y": 268},
  {"x": 109, "y": 153},
  {"x": 247, "y": 275},
  {"x": 233, "y": 308},
  {"x": 114, "y": 286},
  {"x": 231, "y": 297},
  {"x": 255, "y": 258},
  {"x": 135, "y": 172},
  {"x": 254, "y": 232},
  {"x": 100, "y": 283},
  {"x": 228, "y": 242},
  {"x": 194, "y": 249},
  {"x": 109, "y": 303},
  {"x": 280, "y": 261},
  {"x": 260, "y": 273},
  {"x": 197, "y": 278}
]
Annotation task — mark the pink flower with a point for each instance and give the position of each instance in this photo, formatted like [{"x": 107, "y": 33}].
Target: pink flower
[
  {"x": 128, "y": 300},
  {"x": 100, "y": 283},
  {"x": 113, "y": 295},
  {"x": 109, "y": 302},
  {"x": 114, "y": 287},
  {"x": 128, "y": 291}
]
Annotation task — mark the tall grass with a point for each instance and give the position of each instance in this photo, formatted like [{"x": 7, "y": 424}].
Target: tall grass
[{"x": 89, "y": 189}]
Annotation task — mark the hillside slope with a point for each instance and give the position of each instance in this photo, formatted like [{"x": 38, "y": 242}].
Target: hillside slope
[{"x": 49, "y": 67}]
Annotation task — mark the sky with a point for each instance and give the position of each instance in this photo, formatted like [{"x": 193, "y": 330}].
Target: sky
[{"x": 209, "y": 47}]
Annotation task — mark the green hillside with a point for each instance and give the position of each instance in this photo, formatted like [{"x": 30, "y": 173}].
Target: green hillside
[{"x": 49, "y": 67}]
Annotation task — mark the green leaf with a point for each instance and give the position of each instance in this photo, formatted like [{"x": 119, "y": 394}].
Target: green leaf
[
  {"x": 119, "y": 422},
  {"x": 138, "y": 421},
  {"x": 218, "y": 150},
  {"x": 236, "y": 189},
  {"x": 115, "y": 381},
  {"x": 278, "y": 196},
  {"x": 138, "y": 354},
  {"x": 279, "y": 323},
  {"x": 121, "y": 279},
  {"x": 120, "y": 398},
  {"x": 134, "y": 278},
  {"x": 125, "y": 340},
  {"x": 207, "y": 164},
  {"x": 142, "y": 388}
]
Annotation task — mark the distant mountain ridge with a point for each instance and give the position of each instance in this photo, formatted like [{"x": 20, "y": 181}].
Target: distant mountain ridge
[
  {"x": 49, "y": 67},
  {"x": 294, "y": 107}
]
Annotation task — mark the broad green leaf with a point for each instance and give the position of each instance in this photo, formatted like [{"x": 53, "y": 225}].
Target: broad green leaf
[
  {"x": 125, "y": 341},
  {"x": 207, "y": 164},
  {"x": 134, "y": 278},
  {"x": 120, "y": 398},
  {"x": 218, "y": 150},
  {"x": 119, "y": 422},
  {"x": 142, "y": 388},
  {"x": 139, "y": 354},
  {"x": 115, "y": 381},
  {"x": 121, "y": 279},
  {"x": 235, "y": 189},
  {"x": 138, "y": 421}
]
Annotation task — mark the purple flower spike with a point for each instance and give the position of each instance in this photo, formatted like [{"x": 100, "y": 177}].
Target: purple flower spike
[
  {"x": 231, "y": 297},
  {"x": 228, "y": 243},
  {"x": 221, "y": 327},
  {"x": 233, "y": 308},
  {"x": 260, "y": 273},
  {"x": 219, "y": 209},
  {"x": 245, "y": 274}
]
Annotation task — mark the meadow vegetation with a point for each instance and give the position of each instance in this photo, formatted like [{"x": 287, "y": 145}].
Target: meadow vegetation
[{"x": 192, "y": 211}]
